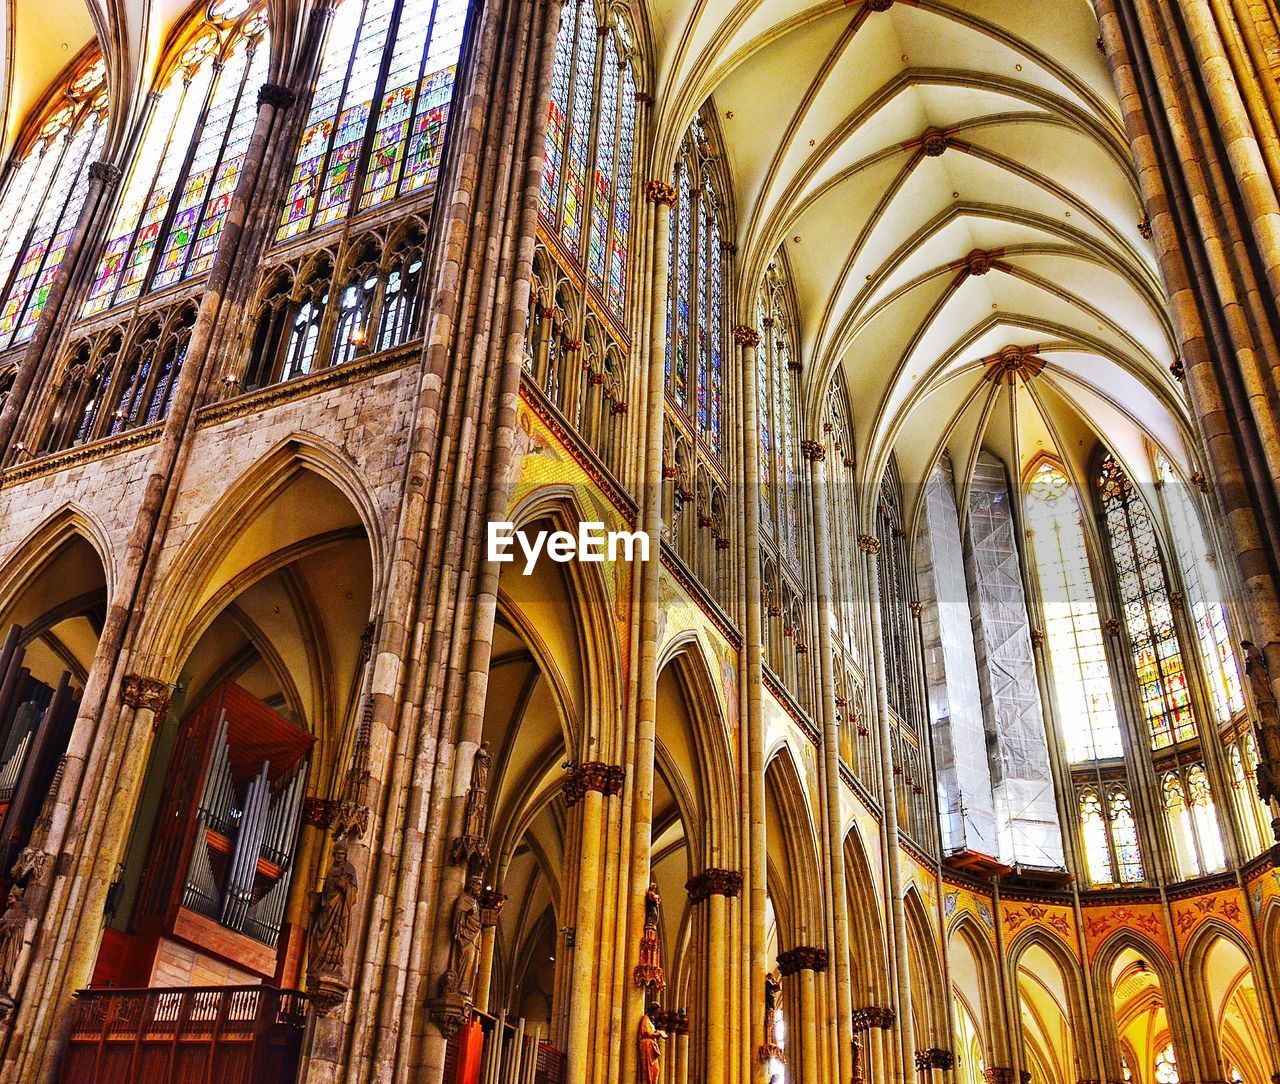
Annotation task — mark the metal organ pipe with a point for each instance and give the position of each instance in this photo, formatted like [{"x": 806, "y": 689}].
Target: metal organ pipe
[{"x": 244, "y": 859}]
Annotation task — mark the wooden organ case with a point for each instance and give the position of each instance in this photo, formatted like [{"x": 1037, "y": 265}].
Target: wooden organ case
[{"x": 220, "y": 861}]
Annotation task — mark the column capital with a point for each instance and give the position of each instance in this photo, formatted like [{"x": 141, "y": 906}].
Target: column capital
[
  {"x": 276, "y": 96},
  {"x": 869, "y": 544},
  {"x": 660, "y": 192},
  {"x": 593, "y": 775},
  {"x": 813, "y": 451},
  {"x": 106, "y": 173},
  {"x": 746, "y": 336},
  {"x": 998, "y": 1074},
  {"x": 318, "y": 812},
  {"x": 150, "y": 694},
  {"x": 714, "y": 882},
  {"x": 491, "y": 902},
  {"x": 672, "y": 1021},
  {"x": 874, "y": 1016},
  {"x": 804, "y": 958}
]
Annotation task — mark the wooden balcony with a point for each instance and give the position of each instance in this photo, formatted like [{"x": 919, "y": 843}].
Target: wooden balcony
[{"x": 186, "y": 1035}]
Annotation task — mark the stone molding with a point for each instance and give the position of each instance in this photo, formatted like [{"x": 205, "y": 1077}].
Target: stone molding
[{"x": 714, "y": 882}]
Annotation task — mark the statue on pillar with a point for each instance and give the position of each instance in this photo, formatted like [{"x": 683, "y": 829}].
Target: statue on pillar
[
  {"x": 772, "y": 1050},
  {"x": 471, "y": 848},
  {"x": 13, "y": 925},
  {"x": 464, "y": 953},
  {"x": 650, "y": 1060},
  {"x": 649, "y": 971},
  {"x": 330, "y": 923},
  {"x": 1266, "y": 725}
]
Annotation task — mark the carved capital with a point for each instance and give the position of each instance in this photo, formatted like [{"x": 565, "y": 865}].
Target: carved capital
[
  {"x": 803, "y": 958},
  {"x": 978, "y": 262},
  {"x": 1144, "y": 227},
  {"x": 144, "y": 693},
  {"x": 1112, "y": 626},
  {"x": 998, "y": 1074},
  {"x": 1200, "y": 481},
  {"x": 1037, "y": 638},
  {"x": 105, "y": 173},
  {"x": 934, "y": 1058},
  {"x": 813, "y": 451},
  {"x": 450, "y": 1014},
  {"x": 746, "y": 336},
  {"x": 874, "y": 1016},
  {"x": 276, "y": 96},
  {"x": 318, "y": 812},
  {"x": 714, "y": 882},
  {"x": 491, "y": 903},
  {"x": 869, "y": 544},
  {"x": 1178, "y": 370},
  {"x": 672, "y": 1021},
  {"x": 917, "y": 608},
  {"x": 660, "y": 192},
  {"x": 593, "y": 775}
]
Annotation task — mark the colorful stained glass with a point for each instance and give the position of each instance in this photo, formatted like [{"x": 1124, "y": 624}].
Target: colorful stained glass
[
  {"x": 1144, "y": 592},
  {"x": 679, "y": 385},
  {"x": 574, "y": 209},
  {"x": 701, "y": 406},
  {"x": 1087, "y": 716},
  {"x": 621, "y": 236},
  {"x": 715, "y": 368},
  {"x": 1124, "y": 837},
  {"x": 558, "y": 112},
  {"x": 603, "y": 174},
  {"x": 54, "y": 195},
  {"x": 1093, "y": 827}
]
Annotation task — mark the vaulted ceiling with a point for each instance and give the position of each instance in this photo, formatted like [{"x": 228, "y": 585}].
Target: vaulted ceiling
[{"x": 951, "y": 189}]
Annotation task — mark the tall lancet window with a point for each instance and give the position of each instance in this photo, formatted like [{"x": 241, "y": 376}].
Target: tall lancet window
[
  {"x": 42, "y": 202},
  {"x": 379, "y": 110},
  {"x": 1148, "y": 613},
  {"x": 1073, "y": 631},
  {"x": 587, "y": 182},
  {"x": 174, "y": 203},
  {"x": 695, "y": 345},
  {"x": 1206, "y": 609}
]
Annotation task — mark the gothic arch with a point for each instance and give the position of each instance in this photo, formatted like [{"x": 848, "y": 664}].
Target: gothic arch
[
  {"x": 929, "y": 998},
  {"x": 29, "y": 556},
  {"x": 870, "y": 967},
  {"x": 796, "y": 862},
  {"x": 974, "y": 972},
  {"x": 1213, "y": 985}
]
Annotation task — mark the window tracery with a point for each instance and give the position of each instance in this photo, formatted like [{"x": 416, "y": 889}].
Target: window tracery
[
  {"x": 1192, "y": 819},
  {"x": 174, "y": 203},
  {"x": 379, "y": 112},
  {"x": 1148, "y": 611},
  {"x": 43, "y": 199}
]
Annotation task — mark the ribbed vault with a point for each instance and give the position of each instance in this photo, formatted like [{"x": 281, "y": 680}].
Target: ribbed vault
[{"x": 951, "y": 190}]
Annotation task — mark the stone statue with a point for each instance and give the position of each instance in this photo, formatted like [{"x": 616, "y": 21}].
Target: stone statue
[
  {"x": 652, "y": 906},
  {"x": 471, "y": 848},
  {"x": 649, "y": 971},
  {"x": 331, "y": 917},
  {"x": 650, "y": 1060},
  {"x": 1267, "y": 723},
  {"x": 464, "y": 953},
  {"x": 13, "y": 925},
  {"x": 772, "y": 998}
]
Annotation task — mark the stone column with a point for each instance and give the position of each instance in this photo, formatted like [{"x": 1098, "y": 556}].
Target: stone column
[
  {"x": 816, "y": 453},
  {"x": 804, "y": 963},
  {"x": 663, "y": 197},
  {"x": 491, "y": 904},
  {"x": 587, "y": 787},
  {"x": 716, "y": 887},
  {"x": 748, "y": 338}
]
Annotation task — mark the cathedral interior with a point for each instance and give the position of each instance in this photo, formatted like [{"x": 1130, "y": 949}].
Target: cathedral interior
[{"x": 935, "y": 740}]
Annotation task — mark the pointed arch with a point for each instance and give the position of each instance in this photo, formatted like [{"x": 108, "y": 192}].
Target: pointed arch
[
  {"x": 869, "y": 963},
  {"x": 796, "y": 863},
  {"x": 34, "y": 552},
  {"x": 928, "y": 977}
]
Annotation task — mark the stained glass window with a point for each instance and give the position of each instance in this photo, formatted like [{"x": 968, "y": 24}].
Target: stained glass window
[
  {"x": 1073, "y": 631},
  {"x": 1148, "y": 614},
  {"x": 1093, "y": 826},
  {"x": 681, "y": 270},
  {"x": 1166, "y": 1067},
  {"x": 43, "y": 200},
  {"x": 195, "y": 141},
  {"x": 1124, "y": 837},
  {"x": 1205, "y": 819},
  {"x": 586, "y": 200},
  {"x": 1193, "y": 822},
  {"x": 1204, "y": 592},
  {"x": 406, "y": 101}
]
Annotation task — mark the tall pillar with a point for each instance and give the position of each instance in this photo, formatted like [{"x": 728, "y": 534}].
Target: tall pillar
[
  {"x": 715, "y": 887},
  {"x": 803, "y": 964},
  {"x": 587, "y": 787},
  {"x": 816, "y": 453},
  {"x": 663, "y": 197},
  {"x": 748, "y": 338},
  {"x": 491, "y": 904}
]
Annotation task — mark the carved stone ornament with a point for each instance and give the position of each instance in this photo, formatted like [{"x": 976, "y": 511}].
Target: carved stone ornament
[
  {"x": 672, "y": 1021},
  {"x": 934, "y": 1058},
  {"x": 879, "y": 5},
  {"x": 874, "y": 1016},
  {"x": 1037, "y": 637},
  {"x": 471, "y": 848},
  {"x": 998, "y": 1074},
  {"x": 771, "y": 1050},
  {"x": 869, "y": 544},
  {"x": 464, "y": 949},
  {"x": 105, "y": 173},
  {"x": 978, "y": 262},
  {"x": 318, "y": 812},
  {"x": 714, "y": 882},
  {"x": 746, "y": 336},
  {"x": 143, "y": 693},
  {"x": 648, "y": 972},
  {"x": 803, "y": 958},
  {"x": 1144, "y": 227},
  {"x": 13, "y": 927},
  {"x": 660, "y": 192},
  {"x": 813, "y": 451},
  {"x": 491, "y": 904},
  {"x": 276, "y": 96},
  {"x": 593, "y": 775},
  {"x": 934, "y": 143}
]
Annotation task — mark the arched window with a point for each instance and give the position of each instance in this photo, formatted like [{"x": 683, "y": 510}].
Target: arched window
[
  {"x": 1193, "y": 825},
  {"x": 1073, "y": 630},
  {"x": 1093, "y": 827},
  {"x": 379, "y": 110},
  {"x": 174, "y": 204},
  {"x": 592, "y": 198},
  {"x": 897, "y": 593},
  {"x": 43, "y": 200},
  {"x": 1148, "y": 612},
  {"x": 695, "y": 346},
  {"x": 1196, "y": 563},
  {"x": 1166, "y": 1066},
  {"x": 1124, "y": 837}
]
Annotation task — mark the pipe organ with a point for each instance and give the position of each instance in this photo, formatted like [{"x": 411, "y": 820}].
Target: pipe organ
[
  {"x": 35, "y": 726},
  {"x": 227, "y": 857}
]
